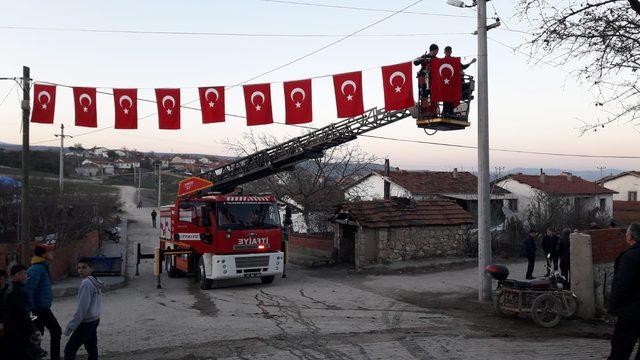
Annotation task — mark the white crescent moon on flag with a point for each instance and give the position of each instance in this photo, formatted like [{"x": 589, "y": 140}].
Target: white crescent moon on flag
[
  {"x": 85, "y": 96},
  {"x": 346, "y": 83},
  {"x": 397, "y": 73},
  {"x": 127, "y": 98},
  {"x": 446, "y": 66},
  {"x": 257, "y": 93},
  {"x": 298, "y": 90},
  {"x": 209, "y": 91},
  {"x": 46, "y": 94},
  {"x": 168, "y": 97}
]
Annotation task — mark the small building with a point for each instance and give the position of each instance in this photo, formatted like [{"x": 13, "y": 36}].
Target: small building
[
  {"x": 204, "y": 160},
  {"x": 126, "y": 164},
  {"x": 627, "y": 184},
  {"x": 585, "y": 196},
  {"x": 88, "y": 169},
  {"x": 371, "y": 232}
]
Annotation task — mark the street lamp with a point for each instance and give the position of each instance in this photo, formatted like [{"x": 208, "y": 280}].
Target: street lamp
[{"x": 484, "y": 193}]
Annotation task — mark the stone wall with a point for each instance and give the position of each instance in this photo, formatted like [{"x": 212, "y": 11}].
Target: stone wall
[{"x": 397, "y": 244}]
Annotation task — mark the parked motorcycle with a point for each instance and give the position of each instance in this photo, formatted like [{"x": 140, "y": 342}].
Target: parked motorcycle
[
  {"x": 113, "y": 234},
  {"x": 541, "y": 297}
]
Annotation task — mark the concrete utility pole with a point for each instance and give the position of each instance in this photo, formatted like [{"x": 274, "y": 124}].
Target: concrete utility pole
[
  {"x": 159, "y": 183},
  {"x": 25, "y": 237},
  {"x": 62, "y": 136},
  {"x": 484, "y": 195},
  {"x": 601, "y": 168}
]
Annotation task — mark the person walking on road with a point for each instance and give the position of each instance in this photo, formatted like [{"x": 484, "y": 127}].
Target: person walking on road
[
  {"x": 624, "y": 301},
  {"x": 38, "y": 289},
  {"x": 84, "y": 325},
  {"x": 530, "y": 252},
  {"x": 550, "y": 248},
  {"x": 17, "y": 322},
  {"x": 154, "y": 214}
]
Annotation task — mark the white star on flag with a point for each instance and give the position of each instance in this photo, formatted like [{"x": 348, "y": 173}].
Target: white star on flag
[
  {"x": 258, "y": 107},
  {"x": 85, "y": 109},
  {"x": 211, "y": 103},
  {"x": 44, "y": 106},
  {"x": 169, "y": 111},
  {"x": 349, "y": 97},
  {"x": 126, "y": 111},
  {"x": 298, "y": 105},
  {"x": 446, "y": 81},
  {"x": 398, "y": 89}
]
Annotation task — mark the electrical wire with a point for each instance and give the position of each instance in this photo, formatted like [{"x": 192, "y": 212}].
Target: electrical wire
[{"x": 8, "y": 93}]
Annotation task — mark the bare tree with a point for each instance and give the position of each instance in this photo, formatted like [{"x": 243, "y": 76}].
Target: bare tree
[
  {"x": 602, "y": 39},
  {"x": 315, "y": 186}
]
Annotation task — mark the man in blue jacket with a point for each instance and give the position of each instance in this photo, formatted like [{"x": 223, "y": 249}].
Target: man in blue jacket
[
  {"x": 624, "y": 301},
  {"x": 530, "y": 252},
  {"x": 38, "y": 289}
]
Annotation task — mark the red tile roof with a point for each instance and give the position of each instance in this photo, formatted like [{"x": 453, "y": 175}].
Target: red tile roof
[
  {"x": 560, "y": 184},
  {"x": 611, "y": 177},
  {"x": 438, "y": 182},
  {"x": 401, "y": 212}
]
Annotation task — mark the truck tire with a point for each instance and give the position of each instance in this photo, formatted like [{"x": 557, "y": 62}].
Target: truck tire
[
  {"x": 267, "y": 279},
  {"x": 201, "y": 276}
]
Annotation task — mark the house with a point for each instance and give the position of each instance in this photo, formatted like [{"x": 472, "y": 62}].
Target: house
[
  {"x": 120, "y": 153},
  {"x": 627, "y": 184},
  {"x": 371, "y": 232},
  {"x": 204, "y": 160},
  {"x": 458, "y": 186},
  {"x": 99, "y": 151},
  {"x": 105, "y": 166},
  {"x": 585, "y": 196},
  {"x": 88, "y": 169},
  {"x": 125, "y": 164},
  {"x": 311, "y": 213}
]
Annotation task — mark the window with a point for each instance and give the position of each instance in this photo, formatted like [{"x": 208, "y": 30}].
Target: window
[
  {"x": 633, "y": 196},
  {"x": 513, "y": 205},
  {"x": 248, "y": 216},
  {"x": 603, "y": 204}
]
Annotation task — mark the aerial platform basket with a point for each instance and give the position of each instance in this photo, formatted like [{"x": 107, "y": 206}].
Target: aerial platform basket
[{"x": 444, "y": 118}]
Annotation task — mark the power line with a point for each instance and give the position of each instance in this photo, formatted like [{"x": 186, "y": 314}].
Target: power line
[
  {"x": 8, "y": 93},
  {"x": 221, "y": 34}
]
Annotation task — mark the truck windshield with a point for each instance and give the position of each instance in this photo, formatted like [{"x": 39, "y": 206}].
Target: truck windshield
[{"x": 248, "y": 216}]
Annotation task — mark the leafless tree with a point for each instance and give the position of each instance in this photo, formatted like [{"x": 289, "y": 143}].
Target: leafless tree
[
  {"x": 601, "y": 38},
  {"x": 315, "y": 186},
  {"x": 557, "y": 212}
]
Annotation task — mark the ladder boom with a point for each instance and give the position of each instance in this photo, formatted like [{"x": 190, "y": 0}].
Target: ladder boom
[{"x": 312, "y": 145}]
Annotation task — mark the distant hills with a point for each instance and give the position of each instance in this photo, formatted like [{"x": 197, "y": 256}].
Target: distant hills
[{"x": 590, "y": 175}]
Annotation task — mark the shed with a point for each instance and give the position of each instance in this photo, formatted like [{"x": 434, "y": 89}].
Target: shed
[{"x": 370, "y": 232}]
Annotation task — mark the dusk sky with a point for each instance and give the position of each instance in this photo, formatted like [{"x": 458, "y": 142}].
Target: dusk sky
[{"x": 532, "y": 107}]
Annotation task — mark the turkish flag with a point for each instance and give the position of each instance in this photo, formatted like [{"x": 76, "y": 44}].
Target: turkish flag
[
  {"x": 446, "y": 80},
  {"x": 85, "y": 103},
  {"x": 126, "y": 108},
  {"x": 398, "y": 86},
  {"x": 297, "y": 101},
  {"x": 168, "y": 101},
  {"x": 212, "y": 104},
  {"x": 44, "y": 103},
  {"x": 348, "y": 89},
  {"x": 257, "y": 102}
]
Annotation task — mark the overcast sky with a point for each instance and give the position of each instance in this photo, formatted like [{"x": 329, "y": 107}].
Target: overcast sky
[{"x": 532, "y": 107}]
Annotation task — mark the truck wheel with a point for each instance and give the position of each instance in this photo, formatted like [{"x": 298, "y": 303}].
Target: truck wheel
[
  {"x": 172, "y": 272},
  {"x": 201, "y": 275},
  {"x": 267, "y": 279},
  {"x": 546, "y": 310}
]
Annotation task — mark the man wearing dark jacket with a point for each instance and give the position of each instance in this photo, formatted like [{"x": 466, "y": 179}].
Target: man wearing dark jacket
[
  {"x": 530, "y": 252},
  {"x": 550, "y": 248},
  {"x": 564, "y": 254},
  {"x": 17, "y": 321},
  {"x": 624, "y": 301}
]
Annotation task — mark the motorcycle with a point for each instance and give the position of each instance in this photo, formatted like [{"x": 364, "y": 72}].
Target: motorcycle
[
  {"x": 541, "y": 297},
  {"x": 113, "y": 234}
]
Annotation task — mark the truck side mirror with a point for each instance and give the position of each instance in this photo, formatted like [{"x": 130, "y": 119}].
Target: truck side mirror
[{"x": 205, "y": 220}]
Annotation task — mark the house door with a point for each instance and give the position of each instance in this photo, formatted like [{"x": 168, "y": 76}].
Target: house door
[{"x": 346, "y": 252}]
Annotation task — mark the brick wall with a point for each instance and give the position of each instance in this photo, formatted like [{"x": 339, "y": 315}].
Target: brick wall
[
  {"x": 607, "y": 244},
  {"x": 306, "y": 249},
  {"x": 66, "y": 256},
  {"x": 317, "y": 242}
]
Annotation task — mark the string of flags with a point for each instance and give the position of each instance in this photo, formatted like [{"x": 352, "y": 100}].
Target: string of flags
[{"x": 446, "y": 75}]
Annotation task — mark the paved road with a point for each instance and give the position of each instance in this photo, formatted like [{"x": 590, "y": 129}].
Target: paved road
[{"x": 318, "y": 314}]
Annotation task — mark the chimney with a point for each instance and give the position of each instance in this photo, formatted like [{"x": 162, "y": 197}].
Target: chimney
[
  {"x": 455, "y": 173},
  {"x": 387, "y": 184},
  {"x": 569, "y": 176},
  {"x": 541, "y": 176}
]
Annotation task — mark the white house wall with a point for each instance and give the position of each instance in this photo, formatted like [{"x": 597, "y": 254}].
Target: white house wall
[
  {"x": 372, "y": 188},
  {"x": 623, "y": 185}
]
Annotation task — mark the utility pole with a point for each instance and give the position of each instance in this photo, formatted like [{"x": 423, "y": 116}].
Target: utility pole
[
  {"x": 139, "y": 183},
  {"x": 25, "y": 237},
  {"x": 484, "y": 195},
  {"x": 159, "y": 183},
  {"x": 62, "y": 136},
  {"x": 601, "y": 168}
]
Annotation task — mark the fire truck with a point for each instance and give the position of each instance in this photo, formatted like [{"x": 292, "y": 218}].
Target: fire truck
[{"x": 216, "y": 234}]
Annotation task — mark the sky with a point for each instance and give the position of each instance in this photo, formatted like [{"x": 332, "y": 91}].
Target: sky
[{"x": 532, "y": 107}]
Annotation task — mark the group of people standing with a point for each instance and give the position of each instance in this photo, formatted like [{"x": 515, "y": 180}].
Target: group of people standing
[
  {"x": 556, "y": 250},
  {"x": 25, "y": 311}
]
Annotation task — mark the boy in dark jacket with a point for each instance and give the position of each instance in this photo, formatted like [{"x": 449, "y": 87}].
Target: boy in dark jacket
[
  {"x": 530, "y": 252},
  {"x": 38, "y": 288},
  {"x": 550, "y": 248},
  {"x": 624, "y": 301},
  {"x": 17, "y": 322}
]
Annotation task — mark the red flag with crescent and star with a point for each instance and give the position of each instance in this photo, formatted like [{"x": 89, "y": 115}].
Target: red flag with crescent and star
[
  {"x": 212, "y": 104},
  {"x": 84, "y": 99},
  {"x": 44, "y": 103},
  {"x": 168, "y": 101},
  {"x": 446, "y": 80},
  {"x": 348, "y": 89},
  {"x": 297, "y": 101},
  {"x": 257, "y": 102},
  {"x": 398, "y": 86},
  {"x": 126, "y": 108}
]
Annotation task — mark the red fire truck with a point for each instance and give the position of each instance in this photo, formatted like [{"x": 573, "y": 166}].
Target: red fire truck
[{"x": 229, "y": 236}]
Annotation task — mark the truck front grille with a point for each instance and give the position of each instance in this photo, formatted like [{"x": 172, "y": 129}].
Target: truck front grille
[{"x": 252, "y": 262}]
